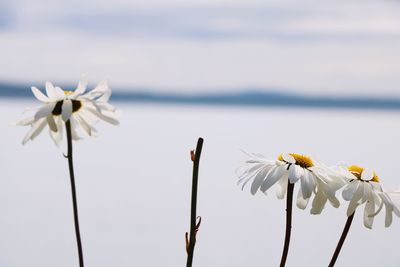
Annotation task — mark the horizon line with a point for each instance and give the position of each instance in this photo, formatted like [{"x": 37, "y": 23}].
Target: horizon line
[{"x": 256, "y": 97}]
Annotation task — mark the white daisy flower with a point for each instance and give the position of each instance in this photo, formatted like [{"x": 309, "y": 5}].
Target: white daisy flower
[
  {"x": 363, "y": 187},
  {"x": 314, "y": 178},
  {"x": 82, "y": 109}
]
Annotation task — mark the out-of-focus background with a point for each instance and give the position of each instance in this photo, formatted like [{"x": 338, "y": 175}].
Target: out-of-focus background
[{"x": 314, "y": 77}]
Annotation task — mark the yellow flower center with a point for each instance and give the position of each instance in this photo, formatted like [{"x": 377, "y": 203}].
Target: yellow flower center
[
  {"x": 68, "y": 92},
  {"x": 301, "y": 160},
  {"x": 357, "y": 171}
]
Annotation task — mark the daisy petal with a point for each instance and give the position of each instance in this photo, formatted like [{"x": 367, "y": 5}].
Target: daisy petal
[
  {"x": 90, "y": 130},
  {"x": 369, "y": 209},
  {"x": 81, "y": 86},
  {"x": 258, "y": 180},
  {"x": 318, "y": 203},
  {"x": 51, "y": 123},
  {"x": 388, "y": 217},
  {"x": 35, "y": 130},
  {"x": 44, "y": 111},
  {"x": 54, "y": 93},
  {"x": 289, "y": 158},
  {"x": 349, "y": 190},
  {"x": 66, "y": 110},
  {"x": 356, "y": 197},
  {"x": 389, "y": 208},
  {"x": 332, "y": 199},
  {"x": 307, "y": 183},
  {"x": 295, "y": 173},
  {"x": 367, "y": 175},
  {"x": 273, "y": 176},
  {"x": 57, "y": 136},
  {"x": 39, "y": 95},
  {"x": 25, "y": 122},
  {"x": 103, "y": 87},
  {"x": 103, "y": 116},
  {"x": 282, "y": 188},
  {"x": 74, "y": 132},
  {"x": 301, "y": 201}
]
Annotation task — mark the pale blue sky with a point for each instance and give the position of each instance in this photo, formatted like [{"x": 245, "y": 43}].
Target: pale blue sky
[{"x": 328, "y": 47}]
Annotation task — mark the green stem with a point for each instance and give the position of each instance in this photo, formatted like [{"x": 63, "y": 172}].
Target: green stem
[
  {"x": 73, "y": 190},
  {"x": 289, "y": 204}
]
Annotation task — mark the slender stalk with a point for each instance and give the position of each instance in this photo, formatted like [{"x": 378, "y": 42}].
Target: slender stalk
[
  {"x": 74, "y": 201},
  {"x": 194, "y": 225},
  {"x": 289, "y": 204},
  {"x": 341, "y": 240}
]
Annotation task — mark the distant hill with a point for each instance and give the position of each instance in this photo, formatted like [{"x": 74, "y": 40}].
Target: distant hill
[{"x": 247, "y": 97}]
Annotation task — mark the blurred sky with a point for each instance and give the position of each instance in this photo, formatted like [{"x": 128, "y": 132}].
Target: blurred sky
[{"x": 345, "y": 47}]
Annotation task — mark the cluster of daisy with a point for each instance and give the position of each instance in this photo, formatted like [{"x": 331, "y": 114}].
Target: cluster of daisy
[
  {"x": 79, "y": 110},
  {"x": 360, "y": 186}
]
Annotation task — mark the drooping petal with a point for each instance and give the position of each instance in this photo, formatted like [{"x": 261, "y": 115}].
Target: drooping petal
[
  {"x": 318, "y": 203},
  {"x": 273, "y": 176},
  {"x": 258, "y": 180},
  {"x": 281, "y": 188},
  {"x": 51, "y": 123},
  {"x": 106, "y": 106},
  {"x": 25, "y": 122},
  {"x": 246, "y": 176},
  {"x": 301, "y": 201},
  {"x": 378, "y": 201},
  {"x": 307, "y": 184},
  {"x": 88, "y": 116},
  {"x": 89, "y": 129},
  {"x": 388, "y": 216},
  {"x": 246, "y": 172},
  {"x": 44, "y": 111},
  {"x": 104, "y": 117},
  {"x": 292, "y": 173},
  {"x": 57, "y": 136},
  {"x": 295, "y": 173},
  {"x": 367, "y": 192},
  {"x": 74, "y": 132},
  {"x": 66, "y": 110},
  {"x": 35, "y": 130},
  {"x": 355, "y": 198},
  {"x": 368, "y": 211},
  {"x": 388, "y": 207},
  {"x": 332, "y": 198},
  {"x": 349, "y": 190}
]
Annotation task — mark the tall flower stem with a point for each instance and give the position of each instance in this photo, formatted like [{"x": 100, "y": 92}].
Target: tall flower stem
[
  {"x": 73, "y": 190},
  {"x": 289, "y": 204},
  {"x": 341, "y": 240},
  {"x": 194, "y": 225}
]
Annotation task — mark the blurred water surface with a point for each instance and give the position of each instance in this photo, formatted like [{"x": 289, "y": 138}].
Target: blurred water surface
[{"x": 134, "y": 180}]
